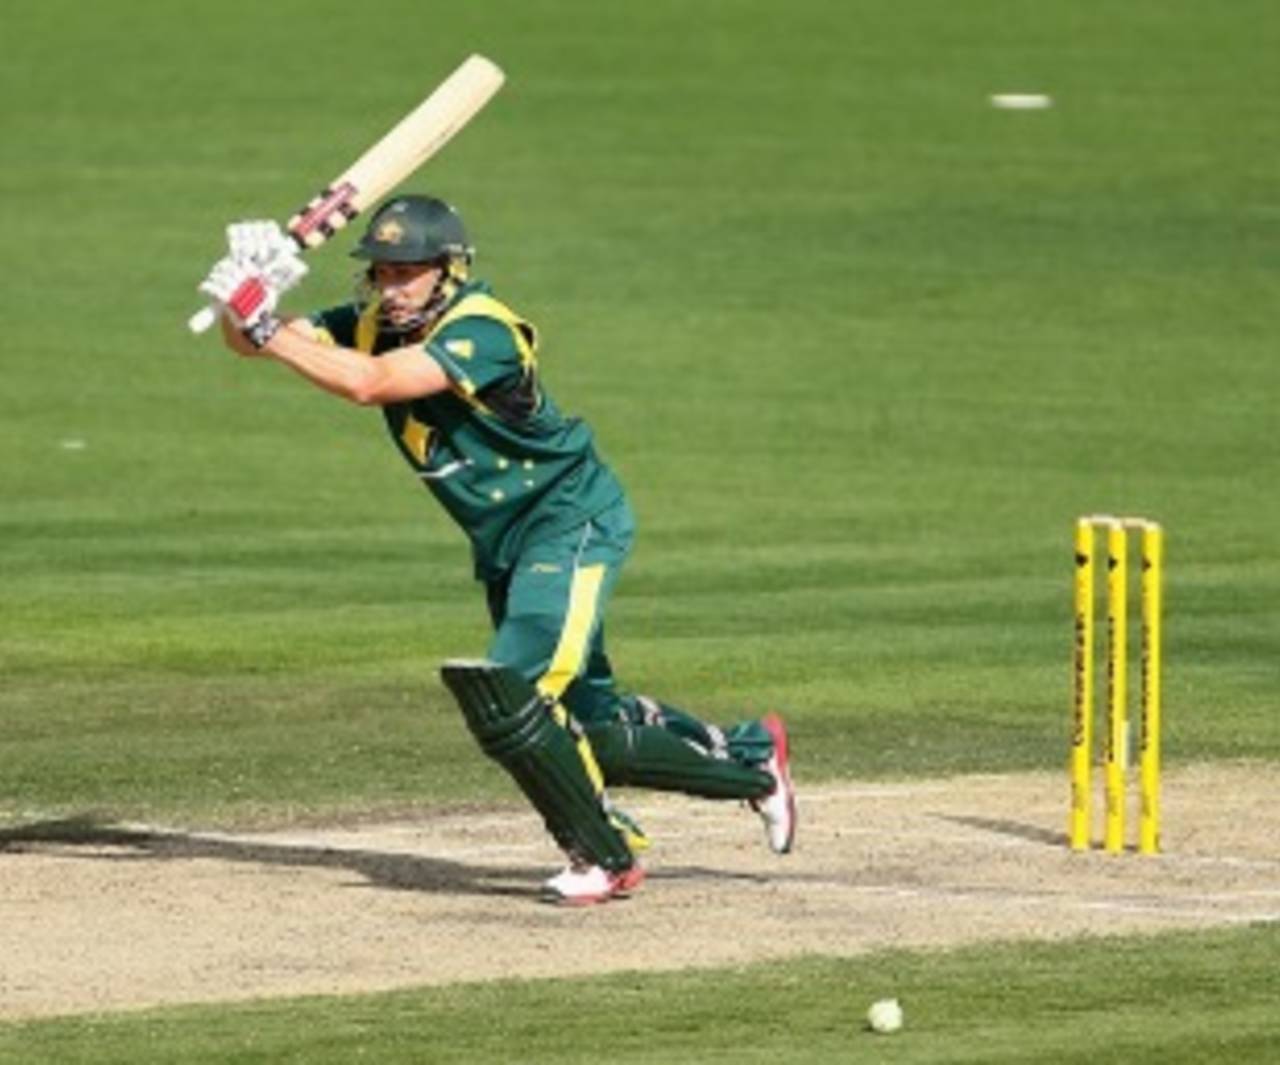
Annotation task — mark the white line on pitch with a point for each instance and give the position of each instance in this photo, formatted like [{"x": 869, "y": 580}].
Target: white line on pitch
[{"x": 1111, "y": 905}]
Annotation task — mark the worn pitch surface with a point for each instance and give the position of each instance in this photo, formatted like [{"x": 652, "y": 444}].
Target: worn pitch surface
[{"x": 114, "y": 917}]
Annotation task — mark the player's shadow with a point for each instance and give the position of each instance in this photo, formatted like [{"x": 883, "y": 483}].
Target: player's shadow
[
  {"x": 397, "y": 872},
  {"x": 1004, "y": 827}
]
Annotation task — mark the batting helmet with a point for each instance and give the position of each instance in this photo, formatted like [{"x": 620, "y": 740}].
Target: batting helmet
[{"x": 414, "y": 229}]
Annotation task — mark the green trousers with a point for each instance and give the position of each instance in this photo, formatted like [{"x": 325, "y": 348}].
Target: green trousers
[{"x": 548, "y": 616}]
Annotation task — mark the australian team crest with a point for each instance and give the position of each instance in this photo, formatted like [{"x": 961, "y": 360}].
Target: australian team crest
[{"x": 389, "y": 232}]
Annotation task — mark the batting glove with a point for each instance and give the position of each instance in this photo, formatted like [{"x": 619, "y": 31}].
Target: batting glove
[
  {"x": 264, "y": 246},
  {"x": 285, "y": 270},
  {"x": 256, "y": 242},
  {"x": 248, "y": 295}
]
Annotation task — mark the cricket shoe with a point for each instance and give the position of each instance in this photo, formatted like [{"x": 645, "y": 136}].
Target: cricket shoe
[
  {"x": 778, "y": 808},
  {"x": 582, "y": 884}
]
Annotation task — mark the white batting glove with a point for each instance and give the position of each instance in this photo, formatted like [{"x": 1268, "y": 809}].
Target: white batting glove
[
  {"x": 265, "y": 247},
  {"x": 285, "y": 270},
  {"x": 257, "y": 242},
  {"x": 247, "y": 295}
]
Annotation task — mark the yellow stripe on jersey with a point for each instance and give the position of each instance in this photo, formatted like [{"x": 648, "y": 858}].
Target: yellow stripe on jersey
[
  {"x": 367, "y": 328},
  {"x": 416, "y": 438},
  {"x": 477, "y": 304},
  {"x": 415, "y": 435},
  {"x": 485, "y": 306}
]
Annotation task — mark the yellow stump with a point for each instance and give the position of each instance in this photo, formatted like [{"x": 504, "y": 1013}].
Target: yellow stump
[
  {"x": 1149, "y": 769},
  {"x": 1117, "y": 745},
  {"x": 1080, "y": 829}
]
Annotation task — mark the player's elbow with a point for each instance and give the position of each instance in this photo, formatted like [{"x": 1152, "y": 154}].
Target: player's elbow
[
  {"x": 361, "y": 396},
  {"x": 366, "y": 389}
]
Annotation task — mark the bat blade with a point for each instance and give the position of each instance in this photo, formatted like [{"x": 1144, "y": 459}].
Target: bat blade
[{"x": 402, "y": 150}]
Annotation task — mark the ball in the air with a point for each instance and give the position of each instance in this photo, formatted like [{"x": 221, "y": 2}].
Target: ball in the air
[{"x": 885, "y": 1016}]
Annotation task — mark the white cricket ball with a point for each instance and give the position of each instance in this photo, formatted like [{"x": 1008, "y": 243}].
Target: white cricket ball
[{"x": 885, "y": 1016}]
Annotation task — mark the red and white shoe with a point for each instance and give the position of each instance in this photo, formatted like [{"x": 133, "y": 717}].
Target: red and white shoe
[
  {"x": 778, "y": 808},
  {"x": 581, "y": 884}
]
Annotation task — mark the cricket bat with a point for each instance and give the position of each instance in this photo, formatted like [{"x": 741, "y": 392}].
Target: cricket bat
[{"x": 410, "y": 143}]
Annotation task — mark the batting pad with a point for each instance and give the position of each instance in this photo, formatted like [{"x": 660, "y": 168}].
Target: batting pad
[
  {"x": 514, "y": 726},
  {"x": 651, "y": 756}
]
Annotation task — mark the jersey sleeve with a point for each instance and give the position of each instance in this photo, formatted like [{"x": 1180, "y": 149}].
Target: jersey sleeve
[
  {"x": 476, "y": 352},
  {"x": 337, "y": 324}
]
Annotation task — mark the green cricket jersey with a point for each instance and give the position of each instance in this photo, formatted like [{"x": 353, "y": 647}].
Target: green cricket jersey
[{"x": 493, "y": 449}]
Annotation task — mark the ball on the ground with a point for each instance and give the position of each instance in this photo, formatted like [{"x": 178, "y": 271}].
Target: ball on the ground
[{"x": 885, "y": 1016}]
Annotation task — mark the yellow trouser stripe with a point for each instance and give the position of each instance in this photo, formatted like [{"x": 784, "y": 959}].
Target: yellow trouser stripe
[{"x": 570, "y": 653}]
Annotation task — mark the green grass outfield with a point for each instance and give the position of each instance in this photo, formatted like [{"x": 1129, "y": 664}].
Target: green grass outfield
[
  {"x": 1172, "y": 1000},
  {"x": 861, "y": 345}
]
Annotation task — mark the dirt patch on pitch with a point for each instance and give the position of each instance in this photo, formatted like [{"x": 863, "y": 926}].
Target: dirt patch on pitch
[{"x": 99, "y": 917}]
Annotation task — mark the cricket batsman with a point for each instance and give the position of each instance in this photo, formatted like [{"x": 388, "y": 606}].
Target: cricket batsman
[{"x": 455, "y": 372}]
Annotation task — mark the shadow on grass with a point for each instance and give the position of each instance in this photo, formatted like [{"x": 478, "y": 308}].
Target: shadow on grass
[{"x": 398, "y": 872}]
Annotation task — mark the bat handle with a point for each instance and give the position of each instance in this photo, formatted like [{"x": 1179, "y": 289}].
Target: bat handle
[{"x": 202, "y": 320}]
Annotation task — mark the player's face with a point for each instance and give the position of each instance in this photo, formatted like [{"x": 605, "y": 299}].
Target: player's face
[{"x": 404, "y": 288}]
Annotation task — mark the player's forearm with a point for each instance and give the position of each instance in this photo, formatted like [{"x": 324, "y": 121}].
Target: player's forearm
[{"x": 342, "y": 371}]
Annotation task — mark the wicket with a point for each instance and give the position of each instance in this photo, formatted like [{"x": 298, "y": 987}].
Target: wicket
[{"x": 1116, "y": 741}]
